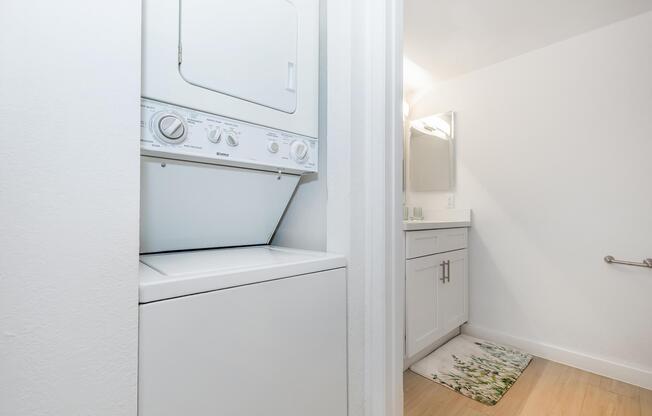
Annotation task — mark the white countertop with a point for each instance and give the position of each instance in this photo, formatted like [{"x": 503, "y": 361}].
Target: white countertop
[{"x": 448, "y": 218}]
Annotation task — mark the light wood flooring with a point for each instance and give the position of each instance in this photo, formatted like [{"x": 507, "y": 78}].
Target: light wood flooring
[{"x": 545, "y": 388}]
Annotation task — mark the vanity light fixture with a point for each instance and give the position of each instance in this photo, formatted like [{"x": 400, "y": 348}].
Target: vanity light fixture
[{"x": 441, "y": 132}]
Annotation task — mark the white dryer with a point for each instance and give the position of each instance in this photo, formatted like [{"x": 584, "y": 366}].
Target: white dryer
[
  {"x": 250, "y": 60},
  {"x": 229, "y": 118},
  {"x": 242, "y": 332}
]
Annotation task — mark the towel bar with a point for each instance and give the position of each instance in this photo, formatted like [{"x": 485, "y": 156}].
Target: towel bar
[{"x": 645, "y": 263}]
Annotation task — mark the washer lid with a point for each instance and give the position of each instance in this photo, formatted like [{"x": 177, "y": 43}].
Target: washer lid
[
  {"x": 245, "y": 48},
  {"x": 169, "y": 275},
  {"x": 189, "y": 205}
]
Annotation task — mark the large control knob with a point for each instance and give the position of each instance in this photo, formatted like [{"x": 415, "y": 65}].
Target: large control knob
[
  {"x": 171, "y": 128},
  {"x": 299, "y": 151}
]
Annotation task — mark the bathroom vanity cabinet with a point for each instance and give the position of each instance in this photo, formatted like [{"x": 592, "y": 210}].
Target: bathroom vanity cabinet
[{"x": 436, "y": 288}]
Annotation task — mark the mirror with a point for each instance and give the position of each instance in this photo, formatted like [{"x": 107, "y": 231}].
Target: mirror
[{"x": 431, "y": 153}]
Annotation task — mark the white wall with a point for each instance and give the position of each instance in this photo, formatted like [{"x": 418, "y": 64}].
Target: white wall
[
  {"x": 304, "y": 222},
  {"x": 450, "y": 38},
  {"x": 554, "y": 160},
  {"x": 339, "y": 207},
  {"x": 69, "y": 162}
]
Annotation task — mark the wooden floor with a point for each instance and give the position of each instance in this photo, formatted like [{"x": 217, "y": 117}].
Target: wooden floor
[{"x": 544, "y": 388}]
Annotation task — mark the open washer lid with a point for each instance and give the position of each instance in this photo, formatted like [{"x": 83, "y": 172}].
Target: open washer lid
[
  {"x": 189, "y": 205},
  {"x": 226, "y": 47},
  {"x": 170, "y": 275}
]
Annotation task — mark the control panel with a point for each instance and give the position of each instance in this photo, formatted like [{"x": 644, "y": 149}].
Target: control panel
[{"x": 180, "y": 133}]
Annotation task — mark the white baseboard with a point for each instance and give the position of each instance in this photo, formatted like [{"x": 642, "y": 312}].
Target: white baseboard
[{"x": 598, "y": 365}]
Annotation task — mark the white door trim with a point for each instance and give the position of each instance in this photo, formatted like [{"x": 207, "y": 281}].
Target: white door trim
[
  {"x": 384, "y": 203},
  {"x": 396, "y": 244},
  {"x": 364, "y": 213}
]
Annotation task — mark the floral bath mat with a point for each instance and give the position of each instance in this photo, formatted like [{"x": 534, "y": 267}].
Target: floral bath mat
[{"x": 478, "y": 369}]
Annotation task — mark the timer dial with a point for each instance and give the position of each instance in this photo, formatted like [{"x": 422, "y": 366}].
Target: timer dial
[{"x": 170, "y": 128}]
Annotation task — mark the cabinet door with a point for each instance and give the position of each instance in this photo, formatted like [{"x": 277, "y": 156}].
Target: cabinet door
[
  {"x": 422, "y": 284},
  {"x": 452, "y": 296}
]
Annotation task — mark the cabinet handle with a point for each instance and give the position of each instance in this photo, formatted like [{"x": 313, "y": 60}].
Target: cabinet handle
[
  {"x": 443, "y": 272},
  {"x": 448, "y": 270}
]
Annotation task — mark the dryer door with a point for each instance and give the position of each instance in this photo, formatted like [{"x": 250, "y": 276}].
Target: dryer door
[{"x": 226, "y": 46}]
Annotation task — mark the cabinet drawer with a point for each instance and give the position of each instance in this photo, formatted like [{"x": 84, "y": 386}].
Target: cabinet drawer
[{"x": 424, "y": 243}]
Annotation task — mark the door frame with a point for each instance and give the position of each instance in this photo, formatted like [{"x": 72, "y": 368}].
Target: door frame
[
  {"x": 387, "y": 306},
  {"x": 364, "y": 168},
  {"x": 395, "y": 193},
  {"x": 385, "y": 309}
]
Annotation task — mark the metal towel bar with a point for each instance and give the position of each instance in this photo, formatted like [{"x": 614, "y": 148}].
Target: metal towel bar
[{"x": 644, "y": 263}]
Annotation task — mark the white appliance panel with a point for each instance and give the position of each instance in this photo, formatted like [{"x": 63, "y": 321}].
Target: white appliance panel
[
  {"x": 171, "y": 275},
  {"x": 171, "y": 131},
  {"x": 258, "y": 63},
  {"x": 188, "y": 205},
  {"x": 249, "y": 60},
  {"x": 273, "y": 348}
]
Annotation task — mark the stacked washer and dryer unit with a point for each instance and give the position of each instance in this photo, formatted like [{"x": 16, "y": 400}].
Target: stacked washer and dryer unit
[{"x": 230, "y": 325}]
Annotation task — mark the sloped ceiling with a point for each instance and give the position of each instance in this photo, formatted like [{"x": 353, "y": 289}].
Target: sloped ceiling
[{"x": 448, "y": 38}]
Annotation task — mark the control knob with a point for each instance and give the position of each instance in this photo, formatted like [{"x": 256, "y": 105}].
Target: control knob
[
  {"x": 273, "y": 147},
  {"x": 171, "y": 128},
  {"x": 232, "y": 139},
  {"x": 299, "y": 151},
  {"x": 214, "y": 135}
]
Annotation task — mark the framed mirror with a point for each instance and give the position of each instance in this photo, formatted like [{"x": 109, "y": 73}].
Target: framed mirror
[{"x": 431, "y": 153}]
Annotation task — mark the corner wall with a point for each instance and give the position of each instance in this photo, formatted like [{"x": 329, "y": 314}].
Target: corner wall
[
  {"x": 554, "y": 152},
  {"x": 69, "y": 180},
  {"x": 303, "y": 224}
]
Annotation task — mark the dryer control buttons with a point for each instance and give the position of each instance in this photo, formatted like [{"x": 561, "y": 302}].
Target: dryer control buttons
[
  {"x": 214, "y": 134},
  {"x": 175, "y": 132},
  {"x": 299, "y": 151},
  {"x": 232, "y": 139},
  {"x": 273, "y": 147}
]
